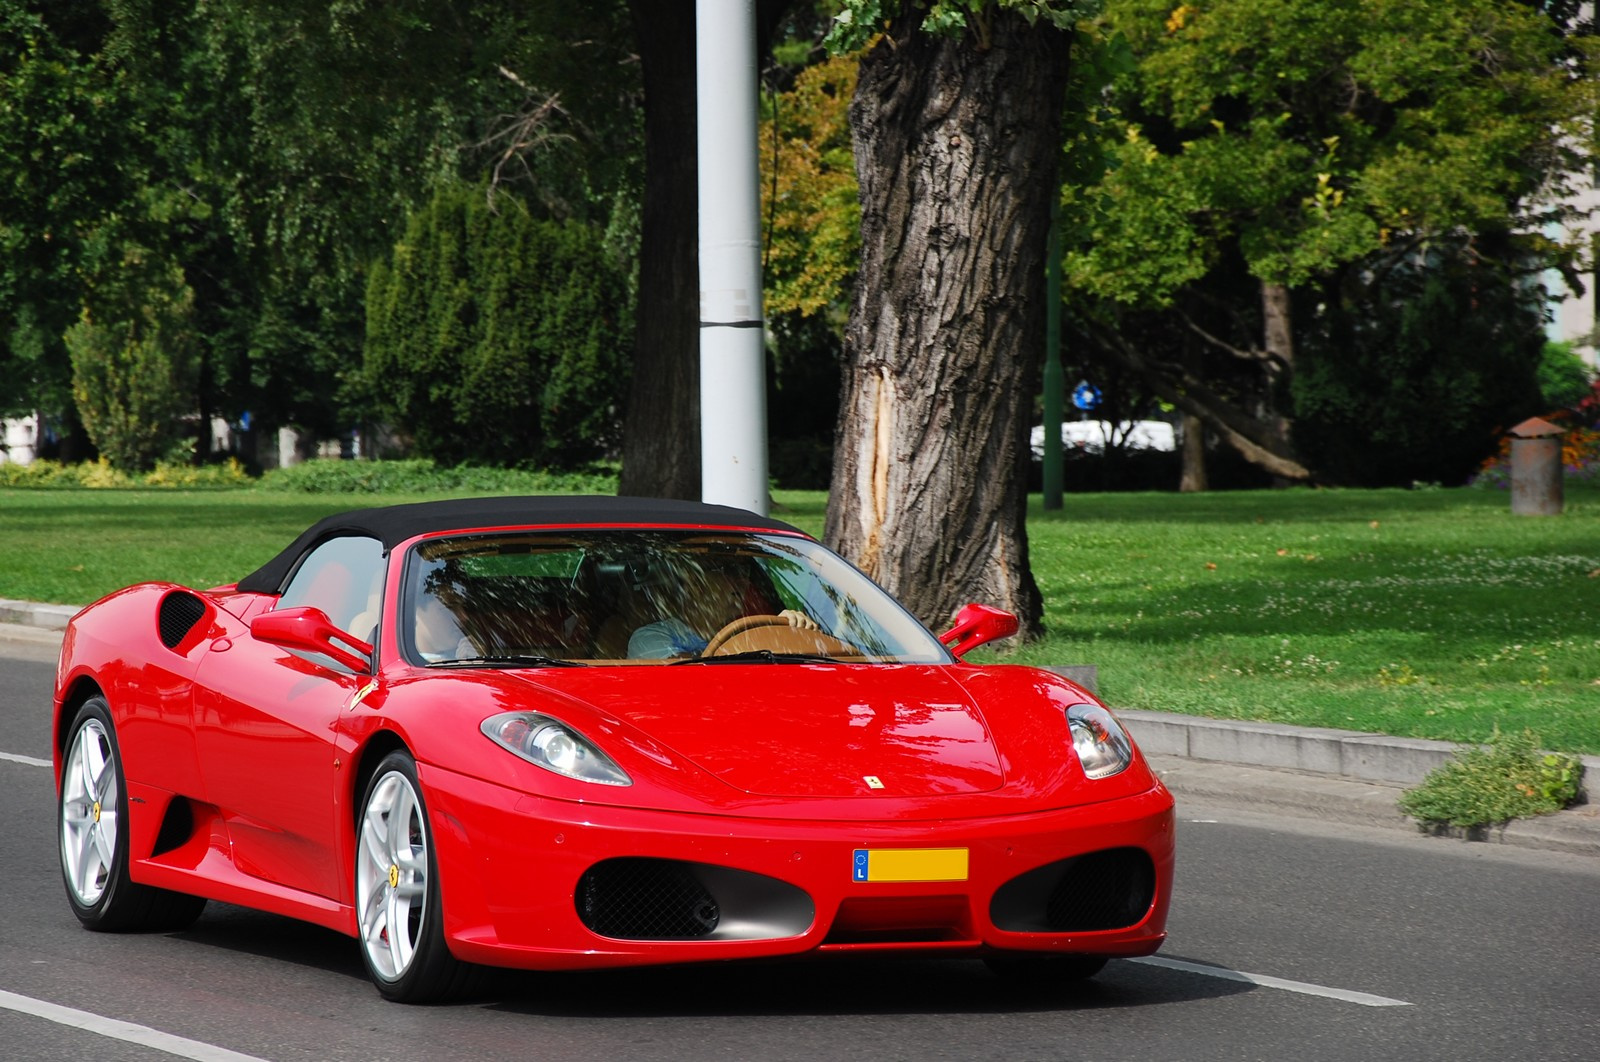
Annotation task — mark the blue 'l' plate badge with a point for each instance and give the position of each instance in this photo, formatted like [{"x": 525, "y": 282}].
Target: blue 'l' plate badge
[{"x": 859, "y": 865}]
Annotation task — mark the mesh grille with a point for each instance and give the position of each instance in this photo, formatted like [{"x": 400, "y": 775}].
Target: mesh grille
[
  {"x": 1109, "y": 889},
  {"x": 177, "y": 616},
  {"x": 1102, "y": 890},
  {"x": 646, "y": 899}
]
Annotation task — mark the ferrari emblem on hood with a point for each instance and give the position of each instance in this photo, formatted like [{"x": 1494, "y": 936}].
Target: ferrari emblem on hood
[{"x": 873, "y": 781}]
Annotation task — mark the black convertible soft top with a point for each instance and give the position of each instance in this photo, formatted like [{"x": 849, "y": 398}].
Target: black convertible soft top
[{"x": 394, "y": 524}]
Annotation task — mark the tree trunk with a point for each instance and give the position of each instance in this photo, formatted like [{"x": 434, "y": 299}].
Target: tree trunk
[
  {"x": 1278, "y": 336},
  {"x": 956, "y": 144},
  {"x": 661, "y": 428},
  {"x": 1193, "y": 479},
  {"x": 1277, "y": 322}
]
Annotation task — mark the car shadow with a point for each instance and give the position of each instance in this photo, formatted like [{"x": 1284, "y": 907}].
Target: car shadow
[
  {"x": 837, "y": 985},
  {"x": 269, "y": 936},
  {"x": 807, "y": 985}
]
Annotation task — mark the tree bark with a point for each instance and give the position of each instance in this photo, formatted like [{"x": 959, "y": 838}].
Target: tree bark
[
  {"x": 1278, "y": 335},
  {"x": 1277, "y": 323},
  {"x": 661, "y": 427},
  {"x": 956, "y": 142},
  {"x": 1192, "y": 479}
]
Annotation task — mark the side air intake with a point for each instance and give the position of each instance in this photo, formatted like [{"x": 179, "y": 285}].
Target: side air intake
[{"x": 178, "y": 614}]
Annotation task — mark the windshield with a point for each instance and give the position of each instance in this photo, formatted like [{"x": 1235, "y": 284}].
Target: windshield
[{"x": 613, "y": 597}]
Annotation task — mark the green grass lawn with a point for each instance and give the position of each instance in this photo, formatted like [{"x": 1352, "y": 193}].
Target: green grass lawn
[{"x": 1422, "y": 613}]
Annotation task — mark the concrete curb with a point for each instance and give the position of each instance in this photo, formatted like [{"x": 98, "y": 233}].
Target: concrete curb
[
  {"x": 1347, "y": 754},
  {"x": 33, "y": 614},
  {"x": 1330, "y": 775}
]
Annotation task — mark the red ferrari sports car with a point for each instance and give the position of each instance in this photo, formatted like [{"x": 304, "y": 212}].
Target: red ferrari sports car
[{"x": 555, "y": 733}]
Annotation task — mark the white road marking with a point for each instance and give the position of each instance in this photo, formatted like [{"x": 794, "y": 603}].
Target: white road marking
[
  {"x": 1363, "y": 998},
  {"x": 17, "y": 757},
  {"x": 121, "y": 1030}
]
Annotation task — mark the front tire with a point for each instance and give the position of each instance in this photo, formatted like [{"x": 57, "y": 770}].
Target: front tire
[
  {"x": 397, "y": 891},
  {"x": 94, "y": 837}
]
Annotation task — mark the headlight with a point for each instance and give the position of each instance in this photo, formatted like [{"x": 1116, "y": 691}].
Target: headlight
[
  {"x": 1103, "y": 747},
  {"x": 553, "y": 745}
]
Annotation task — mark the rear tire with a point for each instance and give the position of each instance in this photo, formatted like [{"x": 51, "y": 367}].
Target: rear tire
[
  {"x": 92, "y": 829},
  {"x": 401, "y": 920}
]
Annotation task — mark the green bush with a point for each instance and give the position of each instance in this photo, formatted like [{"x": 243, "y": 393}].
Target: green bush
[
  {"x": 52, "y": 475},
  {"x": 1510, "y": 779},
  {"x": 327, "y": 476},
  {"x": 134, "y": 363},
  {"x": 422, "y": 476},
  {"x": 495, "y": 338},
  {"x": 1564, "y": 378}
]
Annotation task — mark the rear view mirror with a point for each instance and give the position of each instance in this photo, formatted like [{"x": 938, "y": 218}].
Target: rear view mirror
[
  {"x": 977, "y": 624},
  {"x": 309, "y": 630}
]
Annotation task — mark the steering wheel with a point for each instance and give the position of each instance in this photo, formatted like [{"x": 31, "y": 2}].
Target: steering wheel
[{"x": 739, "y": 626}]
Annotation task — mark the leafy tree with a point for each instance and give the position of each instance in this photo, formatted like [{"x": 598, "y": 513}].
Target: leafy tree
[
  {"x": 809, "y": 190},
  {"x": 338, "y": 118},
  {"x": 133, "y": 363},
  {"x": 1296, "y": 138},
  {"x": 811, "y": 250},
  {"x": 272, "y": 147},
  {"x": 60, "y": 118},
  {"x": 1393, "y": 390},
  {"x": 496, "y": 337}
]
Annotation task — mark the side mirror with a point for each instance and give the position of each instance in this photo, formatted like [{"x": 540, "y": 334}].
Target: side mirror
[
  {"x": 976, "y": 624},
  {"x": 309, "y": 630}
]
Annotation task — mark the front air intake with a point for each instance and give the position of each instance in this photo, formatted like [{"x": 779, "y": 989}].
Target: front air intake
[
  {"x": 646, "y": 899},
  {"x": 178, "y": 614},
  {"x": 1110, "y": 889}
]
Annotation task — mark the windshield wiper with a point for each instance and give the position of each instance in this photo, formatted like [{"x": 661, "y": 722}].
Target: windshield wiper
[
  {"x": 508, "y": 660},
  {"x": 761, "y": 656}
]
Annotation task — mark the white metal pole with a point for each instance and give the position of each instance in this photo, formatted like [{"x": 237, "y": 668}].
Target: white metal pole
[{"x": 733, "y": 389}]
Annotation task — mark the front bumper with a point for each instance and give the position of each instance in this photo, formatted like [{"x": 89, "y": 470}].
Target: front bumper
[{"x": 534, "y": 883}]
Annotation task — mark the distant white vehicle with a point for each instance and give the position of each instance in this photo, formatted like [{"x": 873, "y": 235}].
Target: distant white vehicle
[
  {"x": 19, "y": 440},
  {"x": 1093, "y": 436}
]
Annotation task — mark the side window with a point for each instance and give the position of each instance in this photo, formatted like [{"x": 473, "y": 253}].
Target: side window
[{"x": 344, "y": 578}]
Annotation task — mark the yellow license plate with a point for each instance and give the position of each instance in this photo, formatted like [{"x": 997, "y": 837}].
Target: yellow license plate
[{"x": 909, "y": 864}]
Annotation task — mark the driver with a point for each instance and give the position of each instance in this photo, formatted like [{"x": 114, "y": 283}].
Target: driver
[{"x": 714, "y": 600}]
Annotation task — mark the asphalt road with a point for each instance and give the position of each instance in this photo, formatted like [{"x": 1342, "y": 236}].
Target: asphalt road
[{"x": 1356, "y": 945}]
